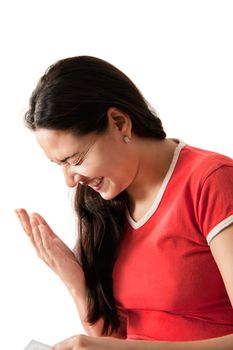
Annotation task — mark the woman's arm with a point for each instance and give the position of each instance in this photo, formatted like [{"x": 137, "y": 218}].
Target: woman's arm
[
  {"x": 82, "y": 342},
  {"x": 96, "y": 329},
  {"x": 222, "y": 250},
  {"x": 62, "y": 261}
]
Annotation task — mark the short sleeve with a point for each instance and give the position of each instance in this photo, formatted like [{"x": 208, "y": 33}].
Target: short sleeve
[{"x": 215, "y": 205}]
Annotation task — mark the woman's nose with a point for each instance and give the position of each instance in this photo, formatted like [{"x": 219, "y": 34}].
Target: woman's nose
[{"x": 71, "y": 178}]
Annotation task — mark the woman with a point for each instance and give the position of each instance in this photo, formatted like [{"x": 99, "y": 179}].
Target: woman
[{"x": 153, "y": 262}]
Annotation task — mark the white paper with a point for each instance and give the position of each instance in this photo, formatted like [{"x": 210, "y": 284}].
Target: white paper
[{"x": 35, "y": 345}]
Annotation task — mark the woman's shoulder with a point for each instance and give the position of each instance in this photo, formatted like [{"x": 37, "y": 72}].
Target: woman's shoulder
[{"x": 204, "y": 162}]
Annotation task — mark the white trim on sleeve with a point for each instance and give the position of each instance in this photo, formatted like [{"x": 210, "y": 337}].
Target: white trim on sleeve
[{"x": 218, "y": 228}]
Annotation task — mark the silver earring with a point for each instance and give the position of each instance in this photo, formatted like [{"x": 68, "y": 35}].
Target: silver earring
[{"x": 126, "y": 139}]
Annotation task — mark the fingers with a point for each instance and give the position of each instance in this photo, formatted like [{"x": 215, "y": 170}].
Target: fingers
[
  {"x": 36, "y": 233},
  {"x": 64, "y": 345},
  {"x": 42, "y": 240},
  {"x": 45, "y": 237},
  {"x": 72, "y": 343},
  {"x": 41, "y": 220},
  {"x": 24, "y": 220},
  {"x": 32, "y": 226}
]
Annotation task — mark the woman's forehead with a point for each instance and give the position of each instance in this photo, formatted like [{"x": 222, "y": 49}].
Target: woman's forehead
[
  {"x": 61, "y": 137},
  {"x": 59, "y": 144}
]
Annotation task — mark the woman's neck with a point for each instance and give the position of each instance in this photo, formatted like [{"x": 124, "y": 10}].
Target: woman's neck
[{"x": 155, "y": 157}]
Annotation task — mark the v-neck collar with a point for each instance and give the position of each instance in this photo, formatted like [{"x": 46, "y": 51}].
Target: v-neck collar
[{"x": 154, "y": 206}]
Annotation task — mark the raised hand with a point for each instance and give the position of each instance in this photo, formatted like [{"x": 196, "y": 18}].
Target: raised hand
[{"x": 52, "y": 250}]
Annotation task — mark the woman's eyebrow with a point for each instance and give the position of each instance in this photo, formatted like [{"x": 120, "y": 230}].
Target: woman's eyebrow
[{"x": 65, "y": 159}]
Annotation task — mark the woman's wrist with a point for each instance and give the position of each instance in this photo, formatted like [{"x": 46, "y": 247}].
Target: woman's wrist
[
  {"x": 76, "y": 284},
  {"x": 77, "y": 289}
]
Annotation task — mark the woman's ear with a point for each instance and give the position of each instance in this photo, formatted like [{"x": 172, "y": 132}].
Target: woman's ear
[{"x": 120, "y": 120}]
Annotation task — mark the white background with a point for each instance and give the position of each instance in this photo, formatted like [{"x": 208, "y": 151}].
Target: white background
[{"x": 179, "y": 54}]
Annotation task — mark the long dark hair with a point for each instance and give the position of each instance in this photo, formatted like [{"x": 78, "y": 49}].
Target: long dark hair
[{"x": 74, "y": 94}]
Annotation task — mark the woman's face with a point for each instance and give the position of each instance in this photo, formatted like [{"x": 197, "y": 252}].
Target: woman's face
[{"x": 105, "y": 162}]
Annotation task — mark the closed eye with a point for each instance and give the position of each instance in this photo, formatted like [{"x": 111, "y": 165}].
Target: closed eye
[{"x": 77, "y": 162}]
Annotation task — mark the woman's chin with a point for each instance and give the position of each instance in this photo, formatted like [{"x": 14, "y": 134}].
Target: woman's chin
[
  {"x": 108, "y": 191},
  {"x": 108, "y": 195}
]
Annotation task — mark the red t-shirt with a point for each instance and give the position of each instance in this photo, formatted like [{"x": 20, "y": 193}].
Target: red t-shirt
[{"x": 165, "y": 276}]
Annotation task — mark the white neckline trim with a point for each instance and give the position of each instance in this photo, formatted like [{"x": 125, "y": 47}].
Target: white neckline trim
[{"x": 153, "y": 208}]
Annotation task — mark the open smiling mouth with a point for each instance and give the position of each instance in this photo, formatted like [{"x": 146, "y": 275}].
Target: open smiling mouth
[{"x": 94, "y": 183}]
